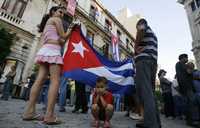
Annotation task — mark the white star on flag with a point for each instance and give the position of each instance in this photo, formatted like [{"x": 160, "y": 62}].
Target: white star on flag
[{"x": 79, "y": 48}]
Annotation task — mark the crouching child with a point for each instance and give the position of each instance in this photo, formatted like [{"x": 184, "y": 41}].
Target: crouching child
[{"x": 102, "y": 103}]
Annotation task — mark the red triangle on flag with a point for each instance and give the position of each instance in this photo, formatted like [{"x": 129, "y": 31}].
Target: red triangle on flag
[{"x": 79, "y": 54}]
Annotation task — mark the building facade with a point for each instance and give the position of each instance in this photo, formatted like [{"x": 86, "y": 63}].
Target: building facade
[
  {"x": 100, "y": 25},
  {"x": 192, "y": 8},
  {"x": 129, "y": 20},
  {"x": 23, "y": 16}
]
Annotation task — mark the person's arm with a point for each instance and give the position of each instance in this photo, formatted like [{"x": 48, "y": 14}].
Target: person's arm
[
  {"x": 103, "y": 101},
  {"x": 196, "y": 75},
  {"x": 59, "y": 28},
  {"x": 180, "y": 78},
  {"x": 138, "y": 40},
  {"x": 108, "y": 100},
  {"x": 12, "y": 73},
  {"x": 95, "y": 97},
  {"x": 166, "y": 81},
  {"x": 139, "y": 36}
]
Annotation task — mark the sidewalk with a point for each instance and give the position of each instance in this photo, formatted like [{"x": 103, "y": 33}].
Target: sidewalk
[{"x": 11, "y": 111}]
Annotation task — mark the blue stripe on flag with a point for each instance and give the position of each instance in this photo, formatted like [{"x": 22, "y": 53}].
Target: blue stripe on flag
[
  {"x": 90, "y": 79},
  {"x": 124, "y": 73}
]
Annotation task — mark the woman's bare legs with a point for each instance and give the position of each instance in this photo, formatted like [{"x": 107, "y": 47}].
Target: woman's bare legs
[
  {"x": 35, "y": 90},
  {"x": 55, "y": 72}
]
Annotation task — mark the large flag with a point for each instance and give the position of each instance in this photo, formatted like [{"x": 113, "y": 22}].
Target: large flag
[
  {"x": 71, "y": 7},
  {"x": 83, "y": 63},
  {"x": 115, "y": 47}
]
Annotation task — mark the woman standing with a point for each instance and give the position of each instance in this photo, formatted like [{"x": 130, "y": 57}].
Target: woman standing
[{"x": 50, "y": 61}]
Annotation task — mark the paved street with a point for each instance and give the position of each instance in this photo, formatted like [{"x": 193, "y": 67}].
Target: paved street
[{"x": 10, "y": 112}]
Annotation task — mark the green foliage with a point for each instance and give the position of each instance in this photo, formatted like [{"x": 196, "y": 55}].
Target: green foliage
[
  {"x": 6, "y": 41},
  {"x": 35, "y": 68},
  {"x": 158, "y": 96}
]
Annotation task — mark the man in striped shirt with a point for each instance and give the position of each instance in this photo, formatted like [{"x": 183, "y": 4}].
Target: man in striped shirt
[{"x": 146, "y": 67}]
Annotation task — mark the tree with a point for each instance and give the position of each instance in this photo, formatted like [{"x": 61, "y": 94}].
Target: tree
[{"x": 6, "y": 41}]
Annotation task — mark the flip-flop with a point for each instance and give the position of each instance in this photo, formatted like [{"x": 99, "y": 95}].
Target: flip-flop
[
  {"x": 37, "y": 117},
  {"x": 106, "y": 125},
  {"x": 55, "y": 122},
  {"x": 95, "y": 124}
]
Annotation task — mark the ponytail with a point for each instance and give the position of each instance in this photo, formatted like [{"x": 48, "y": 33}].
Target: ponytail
[{"x": 46, "y": 17}]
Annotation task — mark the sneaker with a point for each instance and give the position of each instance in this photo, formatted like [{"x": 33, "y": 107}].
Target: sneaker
[{"x": 135, "y": 116}]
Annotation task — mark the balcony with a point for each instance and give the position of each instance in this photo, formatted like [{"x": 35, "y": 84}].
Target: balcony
[
  {"x": 19, "y": 53},
  {"x": 107, "y": 29},
  {"x": 12, "y": 19},
  {"x": 92, "y": 16}
]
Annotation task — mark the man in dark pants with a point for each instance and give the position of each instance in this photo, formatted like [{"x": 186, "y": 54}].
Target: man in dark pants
[
  {"x": 81, "y": 100},
  {"x": 146, "y": 67},
  {"x": 186, "y": 86}
]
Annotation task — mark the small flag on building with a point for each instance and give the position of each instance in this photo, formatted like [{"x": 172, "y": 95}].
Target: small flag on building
[
  {"x": 115, "y": 47},
  {"x": 71, "y": 7}
]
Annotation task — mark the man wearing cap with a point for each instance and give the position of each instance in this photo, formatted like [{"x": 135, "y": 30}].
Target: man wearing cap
[
  {"x": 186, "y": 86},
  {"x": 146, "y": 67}
]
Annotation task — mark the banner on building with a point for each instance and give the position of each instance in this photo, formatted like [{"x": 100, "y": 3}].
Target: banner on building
[
  {"x": 71, "y": 7},
  {"x": 115, "y": 47}
]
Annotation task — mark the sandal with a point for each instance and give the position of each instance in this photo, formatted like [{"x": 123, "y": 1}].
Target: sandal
[
  {"x": 95, "y": 124},
  {"x": 32, "y": 117},
  {"x": 55, "y": 122},
  {"x": 106, "y": 124}
]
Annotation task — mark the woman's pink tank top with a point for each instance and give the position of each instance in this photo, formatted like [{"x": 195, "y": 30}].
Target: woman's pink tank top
[{"x": 50, "y": 32}]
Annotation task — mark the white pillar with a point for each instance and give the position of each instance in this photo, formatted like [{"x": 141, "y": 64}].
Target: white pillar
[{"x": 30, "y": 62}]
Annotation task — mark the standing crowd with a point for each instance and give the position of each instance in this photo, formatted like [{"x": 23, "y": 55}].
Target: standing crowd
[{"x": 181, "y": 96}]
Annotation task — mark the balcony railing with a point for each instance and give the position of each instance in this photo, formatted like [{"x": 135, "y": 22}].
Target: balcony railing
[{"x": 10, "y": 18}]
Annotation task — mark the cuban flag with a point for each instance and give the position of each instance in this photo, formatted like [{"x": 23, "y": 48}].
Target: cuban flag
[
  {"x": 115, "y": 47},
  {"x": 83, "y": 63},
  {"x": 71, "y": 7}
]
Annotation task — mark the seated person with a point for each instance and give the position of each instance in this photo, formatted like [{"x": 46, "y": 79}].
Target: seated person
[{"x": 102, "y": 103}]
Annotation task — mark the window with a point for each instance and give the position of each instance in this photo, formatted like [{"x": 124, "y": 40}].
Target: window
[
  {"x": 106, "y": 50},
  {"x": 15, "y": 7},
  {"x": 92, "y": 13},
  {"x": 127, "y": 43},
  {"x": 119, "y": 34},
  {"x": 107, "y": 25},
  {"x": 193, "y": 6},
  {"x": 90, "y": 37}
]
